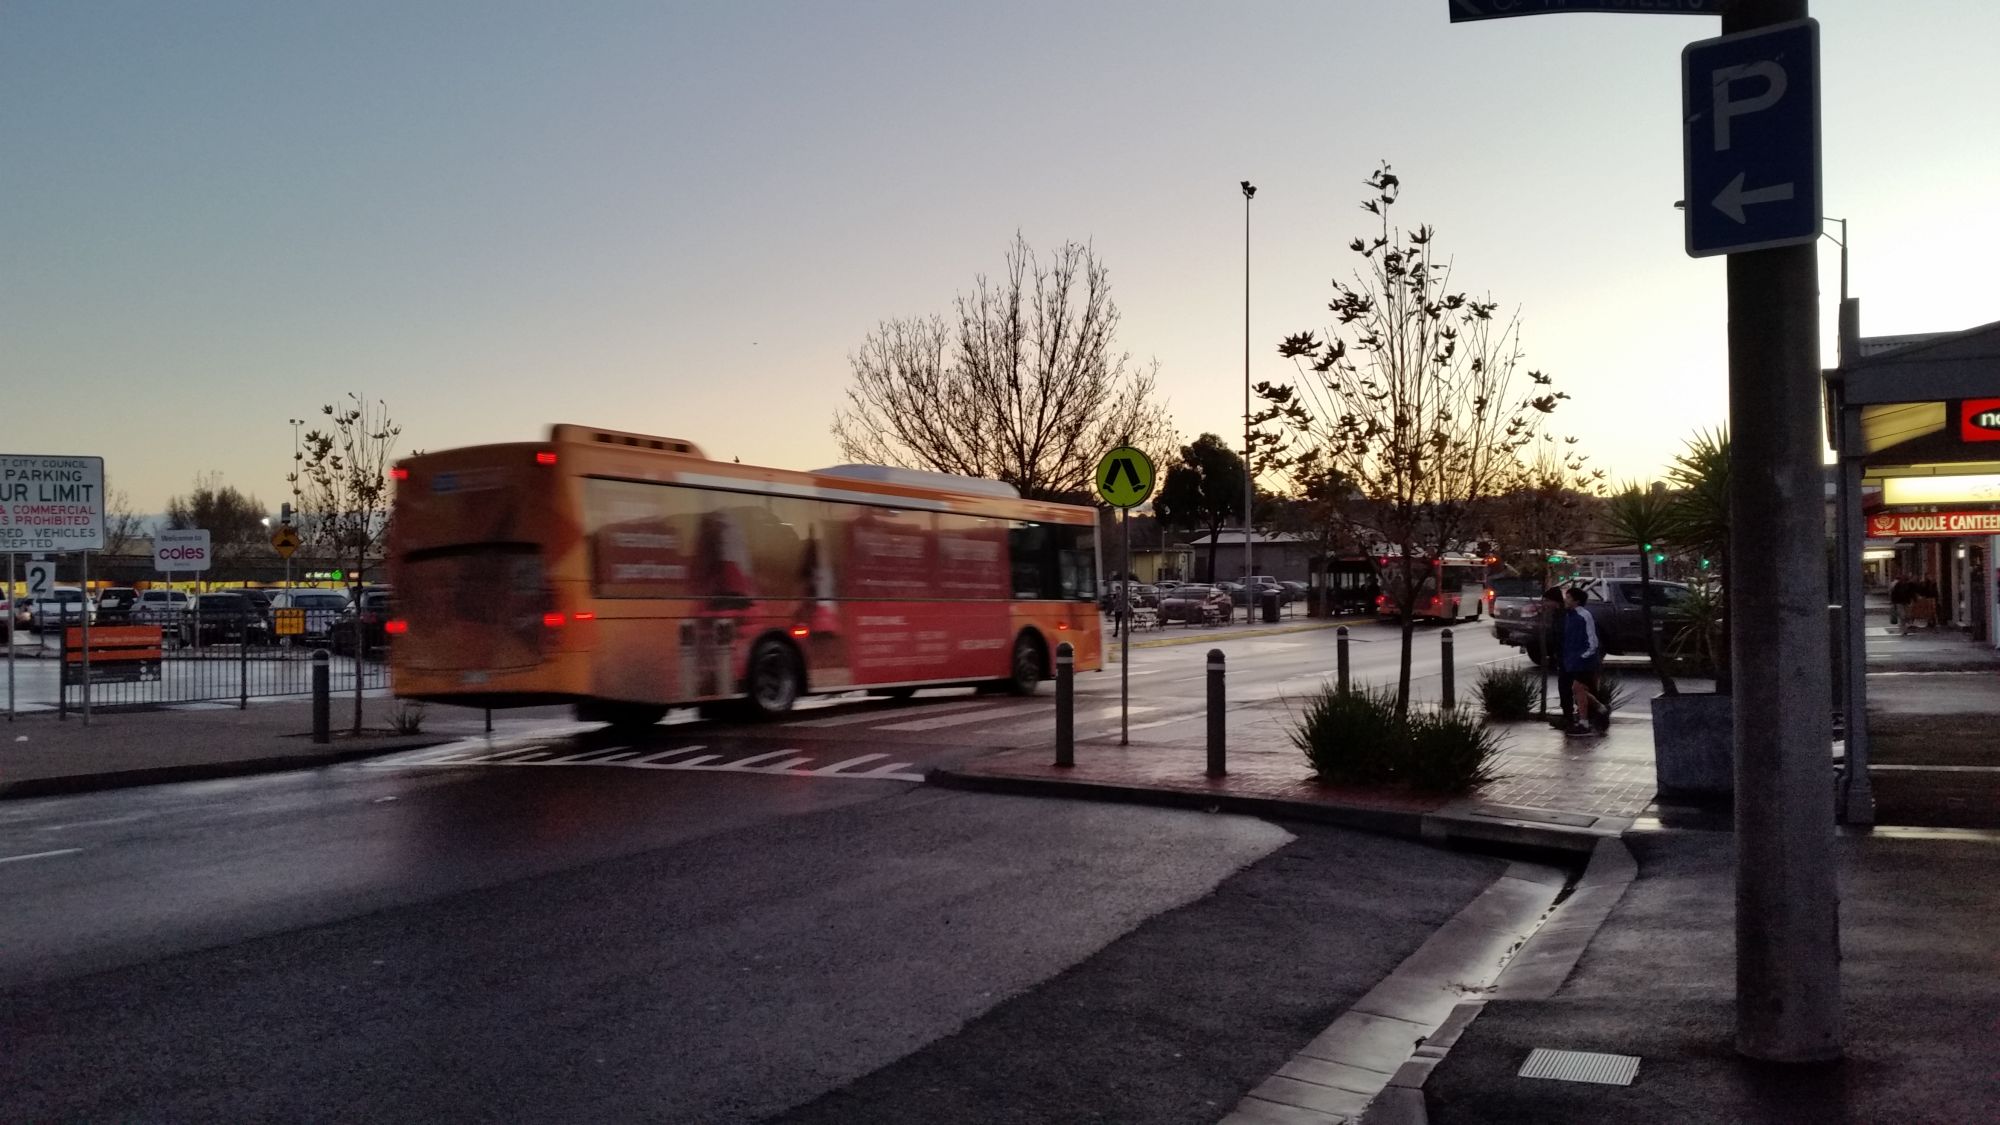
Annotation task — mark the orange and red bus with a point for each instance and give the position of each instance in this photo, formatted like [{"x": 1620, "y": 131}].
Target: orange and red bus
[
  {"x": 1451, "y": 588},
  {"x": 628, "y": 574}
]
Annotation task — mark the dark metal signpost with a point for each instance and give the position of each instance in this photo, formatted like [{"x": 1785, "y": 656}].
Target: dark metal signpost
[{"x": 1750, "y": 104}]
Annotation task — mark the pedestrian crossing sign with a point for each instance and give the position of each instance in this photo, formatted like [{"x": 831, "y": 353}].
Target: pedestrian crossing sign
[{"x": 1125, "y": 477}]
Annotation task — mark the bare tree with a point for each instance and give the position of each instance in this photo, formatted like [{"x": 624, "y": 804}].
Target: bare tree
[
  {"x": 1026, "y": 385},
  {"x": 121, "y": 527},
  {"x": 1411, "y": 398},
  {"x": 345, "y": 472}
]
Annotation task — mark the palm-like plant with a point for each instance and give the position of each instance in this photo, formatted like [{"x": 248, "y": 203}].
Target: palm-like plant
[
  {"x": 1700, "y": 523},
  {"x": 1643, "y": 518}
]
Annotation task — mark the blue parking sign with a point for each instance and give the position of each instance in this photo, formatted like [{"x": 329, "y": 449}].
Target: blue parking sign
[{"x": 1750, "y": 137}]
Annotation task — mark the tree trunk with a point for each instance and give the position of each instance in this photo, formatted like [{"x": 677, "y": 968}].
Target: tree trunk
[
  {"x": 1667, "y": 686},
  {"x": 1213, "y": 531},
  {"x": 1407, "y": 607}
]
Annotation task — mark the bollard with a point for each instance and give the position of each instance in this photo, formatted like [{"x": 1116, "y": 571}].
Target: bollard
[
  {"x": 243, "y": 669},
  {"x": 322, "y": 696},
  {"x": 1444, "y": 647},
  {"x": 489, "y": 720},
  {"x": 1217, "y": 730},
  {"x": 1065, "y": 705},
  {"x": 1340, "y": 659}
]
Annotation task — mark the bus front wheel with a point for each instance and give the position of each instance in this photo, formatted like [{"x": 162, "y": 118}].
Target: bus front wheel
[{"x": 774, "y": 677}]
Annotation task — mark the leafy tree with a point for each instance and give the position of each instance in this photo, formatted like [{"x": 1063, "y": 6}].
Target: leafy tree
[
  {"x": 235, "y": 522},
  {"x": 1025, "y": 384},
  {"x": 1642, "y": 518},
  {"x": 1202, "y": 491},
  {"x": 1411, "y": 396},
  {"x": 346, "y": 495}
]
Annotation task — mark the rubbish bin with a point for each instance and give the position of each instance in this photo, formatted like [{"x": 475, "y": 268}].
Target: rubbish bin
[
  {"x": 1270, "y": 606},
  {"x": 1313, "y": 607}
]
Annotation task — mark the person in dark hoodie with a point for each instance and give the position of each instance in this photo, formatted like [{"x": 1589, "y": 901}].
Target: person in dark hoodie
[{"x": 1582, "y": 656}]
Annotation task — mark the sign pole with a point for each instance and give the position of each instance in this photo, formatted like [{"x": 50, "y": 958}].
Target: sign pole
[
  {"x": 10, "y": 636},
  {"x": 86, "y": 639},
  {"x": 1787, "y": 912},
  {"x": 1125, "y": 637}
]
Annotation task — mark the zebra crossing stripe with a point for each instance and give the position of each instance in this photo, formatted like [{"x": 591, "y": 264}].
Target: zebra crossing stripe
[
  {"x": 839, "y": 766},
  {"x": 878, "y": 714}
]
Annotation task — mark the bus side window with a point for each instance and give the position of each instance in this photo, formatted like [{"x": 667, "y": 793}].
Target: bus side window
[
  {"x": 1031, "y": 558},
  {"x": 1077, "y": 562}
]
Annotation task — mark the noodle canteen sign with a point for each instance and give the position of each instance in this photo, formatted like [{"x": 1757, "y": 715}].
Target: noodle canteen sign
[
  {"x": 51, "y": 504},
  {"x": 1897, "y": 525}
]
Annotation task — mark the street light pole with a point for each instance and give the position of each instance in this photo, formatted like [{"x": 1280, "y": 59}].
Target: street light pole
[{"x": 1249, "y": 471}]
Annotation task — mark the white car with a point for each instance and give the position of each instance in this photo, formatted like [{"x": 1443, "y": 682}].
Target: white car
[
  {"x": 159, "y": 607},
  {"x": 64, "y": 605},
  {"x": 322, "y": 608}
]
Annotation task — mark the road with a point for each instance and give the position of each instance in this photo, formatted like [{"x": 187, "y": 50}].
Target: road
[{"x": 708, "y": 923}]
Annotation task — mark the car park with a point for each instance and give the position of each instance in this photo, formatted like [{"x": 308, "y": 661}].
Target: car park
[
  {"x": 372, "y": 607},
  {"x": 224, "y": 617},
  {"x": 64, "y": 605},
  {"x": 1194, "y": 604},
  {"x": 158, "y": 607},
  {"x": 114, "y": 605},
  {"x": 321, "y": 609}
]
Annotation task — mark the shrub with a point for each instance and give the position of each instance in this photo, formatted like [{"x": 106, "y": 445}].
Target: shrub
[
  {"x": 1512, "y": 693},
  {"x": 407, "y": 718},
  {"x": 1353, "y": 737},
  {"x": 1449, "y": 751},
  {"x": 1611, "y": 692}
]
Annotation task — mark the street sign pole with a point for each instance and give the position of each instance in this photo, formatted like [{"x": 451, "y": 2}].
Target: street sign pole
[
  {"x": 11, "y": 619},
  {"x": 1787, "y": 913},
  {"x": 1124, "y": 481},
  {"x": 86, "y": 642},
  {"x": 1125, "y": 635}
]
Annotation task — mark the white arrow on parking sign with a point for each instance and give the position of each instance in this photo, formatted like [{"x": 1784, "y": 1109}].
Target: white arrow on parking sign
[{"x": 1733, "y": 198}]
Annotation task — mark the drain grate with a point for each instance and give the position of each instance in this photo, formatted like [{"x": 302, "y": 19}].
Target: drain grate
[{"x": 1581, "y": 1066}]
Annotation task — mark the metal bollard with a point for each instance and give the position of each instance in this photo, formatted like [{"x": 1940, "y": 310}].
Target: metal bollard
[
  {"x": 1444, "y": 646},
  {"x": 1340, "y": 659},
  {"x": 243, "y": 669},
  {"x": 322, "y": 696},
  {"x": 1217, "y": 729},
  {"x": 1065, "y": 705}
]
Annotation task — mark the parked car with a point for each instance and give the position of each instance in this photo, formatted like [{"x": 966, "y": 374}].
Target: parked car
[
  {"x": 374, "y": 607},
  {"x": 19, "y": 614},
  {"x": 224, "y": 617},
  {"x": 1257, "y": 586},
  {"x": 114, "y": 605},
  {"x": 322, "y": 609},
  {"x": 1294, "y": 591},
  {"x": 1515, "y": 607},
  {"x": 158, "y": 607},
  {"x": 64, "y": 605},
  {"x": 1194, "y": 604},
  {"x": 1613, "y": 605}
]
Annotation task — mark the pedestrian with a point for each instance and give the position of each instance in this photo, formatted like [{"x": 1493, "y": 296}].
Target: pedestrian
[
  {"x": 1552, "y": 646},
  {"x": 1927, "y": 598},
  {"x": 1582, "y": 657},
  {"x": 1901, "y": 593},
  {"x": 1121, "y": 608}
]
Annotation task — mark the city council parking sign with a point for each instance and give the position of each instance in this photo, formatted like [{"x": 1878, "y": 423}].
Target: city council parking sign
[{"x": 51, "y": 503}]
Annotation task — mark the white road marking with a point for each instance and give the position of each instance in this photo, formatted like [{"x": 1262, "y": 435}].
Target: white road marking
[
  {"x": 878, "y": 714},
  {"x": 838, "y": 766},
  {"x": 40, "y": 855},
  {"x": 749, "y": 762},
  {"x": 644, "y": 758},
  {"x": 982, "y": 715}
]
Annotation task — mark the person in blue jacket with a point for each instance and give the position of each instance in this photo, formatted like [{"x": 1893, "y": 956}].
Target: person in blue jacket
[{"x": 1582, "y": 656}]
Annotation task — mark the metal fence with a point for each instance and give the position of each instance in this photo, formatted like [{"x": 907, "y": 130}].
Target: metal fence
[{"x": 161, "y": 663}]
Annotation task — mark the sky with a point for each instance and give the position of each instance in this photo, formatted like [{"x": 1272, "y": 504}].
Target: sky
[{"x": 682, "y": 219}]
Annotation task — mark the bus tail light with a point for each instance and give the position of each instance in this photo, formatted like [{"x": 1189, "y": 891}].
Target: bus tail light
[
  {"x": 553, "y": 620},
  {"x": 395, "y": 626},
  {"x": 545, "y": 457},
  {"x": 399, "y": 473},
  {"x": 1061, "y": 626},
  {"x": 800, "y": 631},
  {"x": 585, "y": 615}
]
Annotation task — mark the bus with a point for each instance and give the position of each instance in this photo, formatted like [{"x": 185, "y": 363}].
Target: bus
[
  {"x": 1450, "y": 588},
  {"x": 627, "y": 574}
]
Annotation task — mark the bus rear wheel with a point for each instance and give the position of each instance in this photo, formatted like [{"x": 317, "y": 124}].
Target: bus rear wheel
[
  {"x": 1026, "y": 670},
  {"x": 775, "y": 681}
]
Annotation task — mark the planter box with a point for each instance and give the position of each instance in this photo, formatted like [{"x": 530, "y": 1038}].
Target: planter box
[{"x": 1694, "y": 740}]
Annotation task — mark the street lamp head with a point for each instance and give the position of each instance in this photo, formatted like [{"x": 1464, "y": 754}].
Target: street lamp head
[{"x": 1248, "y": 191}]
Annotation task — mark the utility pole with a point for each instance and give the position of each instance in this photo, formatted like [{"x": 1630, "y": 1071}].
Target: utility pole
[
  {"x": 1249, "y": 469},
  {"x": 1787, "y": 911}
]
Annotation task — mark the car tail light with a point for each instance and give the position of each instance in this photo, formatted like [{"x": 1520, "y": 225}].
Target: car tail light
[
  {"x": 553, "y": 620},
  {"x": 545, "y": 457},
  {"x": 396, "y": 627}
]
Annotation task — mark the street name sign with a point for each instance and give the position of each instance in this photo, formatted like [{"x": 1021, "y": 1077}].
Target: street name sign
[
  {"x": 1750, "y": 139},
  {"x": 181, "y": 549},
  {"x": 1465, "y": 11},
  {"x": 51, "y": 504},
  {"x": 1125, "y": 477}
]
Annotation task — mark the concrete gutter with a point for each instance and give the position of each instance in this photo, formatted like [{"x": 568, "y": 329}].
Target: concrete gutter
[
  {"x": 1507, "y": 829},
  {"x": 66, "y": 784}
]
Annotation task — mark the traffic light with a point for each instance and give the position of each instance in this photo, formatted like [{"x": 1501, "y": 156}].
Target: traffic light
[
  {"x": 1704, "y": 564},
  {"x": 1659, "y": 557},
  {"x": 1555, "y": 558}
]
